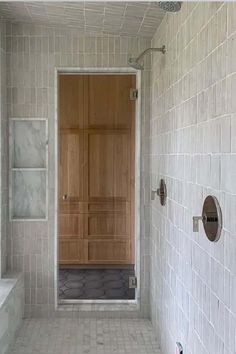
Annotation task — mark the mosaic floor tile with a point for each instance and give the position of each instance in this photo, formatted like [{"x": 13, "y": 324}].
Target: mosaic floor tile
[
  {"x": 85, "y": 336},
  {"x": 89, "y": 284}
]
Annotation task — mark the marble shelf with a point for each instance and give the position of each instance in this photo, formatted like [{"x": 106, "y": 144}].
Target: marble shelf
[{"x": 29, "y": 144}]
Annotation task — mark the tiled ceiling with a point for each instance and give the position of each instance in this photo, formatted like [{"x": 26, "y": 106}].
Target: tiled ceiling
[{"x": 121, "y": 18}]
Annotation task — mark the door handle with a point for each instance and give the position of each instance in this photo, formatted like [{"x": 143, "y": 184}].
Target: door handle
[{"x": 68, "y": 198}]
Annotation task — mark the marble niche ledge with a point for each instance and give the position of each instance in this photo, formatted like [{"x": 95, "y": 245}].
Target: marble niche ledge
[{"x": 11, "y": 308}]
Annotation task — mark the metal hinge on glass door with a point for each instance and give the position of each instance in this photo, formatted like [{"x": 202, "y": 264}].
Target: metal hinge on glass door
[
  {"x": 132, "y": 282},
  {"x": 133, "y": 94}
]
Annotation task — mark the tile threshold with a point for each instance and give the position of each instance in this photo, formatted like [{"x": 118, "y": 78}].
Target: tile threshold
[{"x": 129, "y": 306}]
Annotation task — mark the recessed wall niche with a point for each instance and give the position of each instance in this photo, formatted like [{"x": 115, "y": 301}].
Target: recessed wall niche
[{"x": 28, "y": 168}]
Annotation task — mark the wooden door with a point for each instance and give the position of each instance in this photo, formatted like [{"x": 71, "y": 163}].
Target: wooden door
[{"x": 97, "y": 122}]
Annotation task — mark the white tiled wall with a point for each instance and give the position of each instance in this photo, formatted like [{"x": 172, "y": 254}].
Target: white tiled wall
[
  {"x": 3, "y": 149},
  {"x": 193, "y": 141},
  {"x": 33, "y": 52}
]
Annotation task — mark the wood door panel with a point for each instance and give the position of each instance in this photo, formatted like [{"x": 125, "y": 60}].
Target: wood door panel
[
  {"x": 113, "y": 205},
  {"x": 109, "y": 101},
  {"x": 96, "y": 221},
  {"x": 71, "y": 225},
  {"x": 121, "y": 174},
  {"x": 101, "y": 251},
  {"x": 107, "y": 225},
  {"x": 71, "y": 165},
  {"x": 73, "y": 207},
  {"x": 72, "y": 101},
  {"x": 109, "y": 165},
  {"x": 72, "y": 251},
  {"x": 100, "y": 153}
]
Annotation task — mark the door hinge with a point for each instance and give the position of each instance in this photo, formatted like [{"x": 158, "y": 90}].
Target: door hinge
[
  {"x": 132, "y": 282},
  {"x": 133, "y": 94}
]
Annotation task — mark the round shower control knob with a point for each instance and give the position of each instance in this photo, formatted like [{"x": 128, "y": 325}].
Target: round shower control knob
[
  {"x": 161, "y": 192},
  {"x": 211, "y": 218}
]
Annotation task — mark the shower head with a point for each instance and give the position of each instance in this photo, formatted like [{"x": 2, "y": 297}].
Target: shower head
[
  {"x": 170, "y": 6},
  {"x": 135, "y": 62}
]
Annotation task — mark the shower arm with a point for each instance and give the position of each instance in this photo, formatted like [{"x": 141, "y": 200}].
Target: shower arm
[{"x": 162, "y": 49}]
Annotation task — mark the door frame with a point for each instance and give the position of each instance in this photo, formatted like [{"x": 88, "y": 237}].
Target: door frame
[{"x": 101, "y": 305}]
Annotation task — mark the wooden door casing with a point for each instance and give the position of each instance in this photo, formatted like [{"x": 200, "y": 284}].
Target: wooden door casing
[{"x": 96, "y": 196}]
